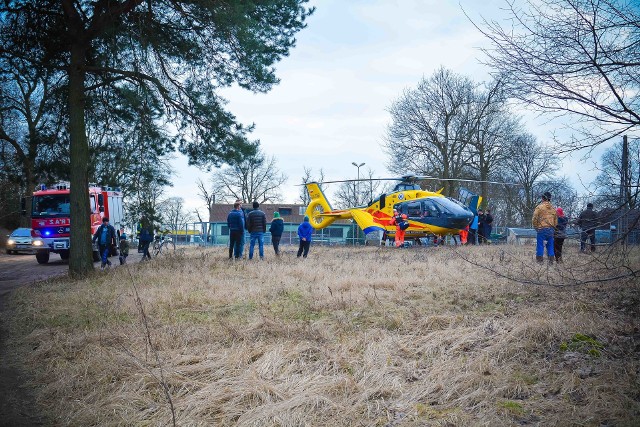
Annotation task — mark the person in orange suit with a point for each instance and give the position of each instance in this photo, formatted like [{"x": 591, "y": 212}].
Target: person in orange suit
[
  {"x": 464, "y": 233},
  {"x": 397, "y": 220}
]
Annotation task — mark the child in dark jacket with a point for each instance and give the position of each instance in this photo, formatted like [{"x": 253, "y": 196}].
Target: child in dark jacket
[
  {"x": 560, "y": 234},
  {"x": 305, "y": 230},
  {"x": 124, "y": 249}
]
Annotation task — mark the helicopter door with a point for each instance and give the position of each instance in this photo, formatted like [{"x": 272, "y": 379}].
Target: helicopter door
[
  {"x": 383, "y": 199},
  {"x": 414, "y": 209}
]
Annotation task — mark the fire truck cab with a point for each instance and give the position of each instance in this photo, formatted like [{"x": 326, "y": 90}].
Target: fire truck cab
[{"x": 50, "y": 217}]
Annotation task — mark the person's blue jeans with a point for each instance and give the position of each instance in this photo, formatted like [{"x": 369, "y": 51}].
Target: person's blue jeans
[
  {"x": 260, "y": 238},
  {"x": 104, "y": 254},
  {"x": 544, "y": 238}
]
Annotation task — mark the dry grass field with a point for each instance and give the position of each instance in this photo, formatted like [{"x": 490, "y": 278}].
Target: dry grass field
[{"x": 348, "y": 337}]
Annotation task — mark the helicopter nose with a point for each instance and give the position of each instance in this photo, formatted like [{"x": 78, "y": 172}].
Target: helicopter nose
[{"x": 461, "y": 221}]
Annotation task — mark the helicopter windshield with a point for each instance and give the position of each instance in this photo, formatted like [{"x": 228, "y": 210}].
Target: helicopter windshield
[
  {"x": 450, "y": 207},
  {"x": 433, "y": 207}
]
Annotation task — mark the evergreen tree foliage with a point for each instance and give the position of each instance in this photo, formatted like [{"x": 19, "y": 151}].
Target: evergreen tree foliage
[{"x": 176, "y": 55}]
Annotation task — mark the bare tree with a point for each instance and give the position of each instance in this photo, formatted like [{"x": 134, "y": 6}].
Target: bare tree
[
  {"x": 431, "y": 127},
  {"x": 254, "y": 178},
  {"x": 197, "y": 215},
  {"x": 572, "y": 56},
  {"x": 356, "y": 193},
  {"x": 494, "y": 131},
  {"x": 308, "y": 177},
  {"x": 611, "y": 177},
  {"x": 208, "y": 196},
  {"x": 173, "y": 213},
  {"x": 527, "y": 164}
]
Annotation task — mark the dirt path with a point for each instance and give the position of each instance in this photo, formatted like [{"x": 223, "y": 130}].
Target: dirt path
[
  {"x": 20, "y": 270},
  {"x": 17, "y": 402}
]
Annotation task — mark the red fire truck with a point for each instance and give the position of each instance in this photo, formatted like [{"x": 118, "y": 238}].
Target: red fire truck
[{"x": 50, "y": 222}]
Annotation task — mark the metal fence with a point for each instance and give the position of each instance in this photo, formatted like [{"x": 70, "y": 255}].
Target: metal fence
[{"x": 217, "y": 234}]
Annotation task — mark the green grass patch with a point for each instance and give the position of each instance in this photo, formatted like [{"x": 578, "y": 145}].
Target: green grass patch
[
  {"x": 583, "y": 344},
  {"x": 426, "y": 411},
  {"x": 292, "y": 304},
  {"x": 511, "y": 407},
  {"x": 526, "y": 378},
  {"x": 239, "y": 309},
  {"x": 193, "y": 316}
]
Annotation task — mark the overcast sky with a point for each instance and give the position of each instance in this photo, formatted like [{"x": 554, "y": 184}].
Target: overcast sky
[{"x": 351, "y": 62}]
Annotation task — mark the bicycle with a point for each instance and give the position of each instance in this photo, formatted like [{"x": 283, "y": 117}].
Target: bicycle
[{"x": 163, "y": 244}]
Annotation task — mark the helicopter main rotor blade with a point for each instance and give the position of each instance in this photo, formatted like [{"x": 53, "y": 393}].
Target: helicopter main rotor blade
[
  {"x": 351, "y": 180},
  {"x": 467, "y": 180},
  {"x": 410, "y": 179}
]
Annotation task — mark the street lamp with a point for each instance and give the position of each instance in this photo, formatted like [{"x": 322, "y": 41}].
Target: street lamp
[
  {"x": 354, "y": 187},
  {"x": 355, "y": 193}
]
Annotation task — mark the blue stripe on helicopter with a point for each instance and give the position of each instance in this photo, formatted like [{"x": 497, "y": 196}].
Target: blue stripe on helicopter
[{"x": 372, "y": 228}]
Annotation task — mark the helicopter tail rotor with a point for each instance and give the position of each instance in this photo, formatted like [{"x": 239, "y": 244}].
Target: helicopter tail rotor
[{"x": 318, "y": 206}]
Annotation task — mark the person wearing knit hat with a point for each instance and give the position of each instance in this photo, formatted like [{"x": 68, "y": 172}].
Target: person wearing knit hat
[
  {"x": 124, "y": 248},
  {"x": 276, "y": 229},
  {"x": 560, "y": 234}
]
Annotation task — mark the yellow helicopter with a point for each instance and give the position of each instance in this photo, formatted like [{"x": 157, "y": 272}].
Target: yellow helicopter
[{"x": 428, "y": 213}]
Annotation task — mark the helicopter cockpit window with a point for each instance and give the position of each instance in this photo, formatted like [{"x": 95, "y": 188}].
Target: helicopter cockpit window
[
  {"x": 405, "y": 187},
  {"x": 400, "y": 207},
  {"x": 414, "y": 210},
  {"x": 429, "y": 208}
]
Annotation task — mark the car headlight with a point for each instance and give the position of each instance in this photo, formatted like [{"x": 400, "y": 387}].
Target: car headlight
[
  {"x": 11, "y": 242},
  {"x": 38, "y": 243}
]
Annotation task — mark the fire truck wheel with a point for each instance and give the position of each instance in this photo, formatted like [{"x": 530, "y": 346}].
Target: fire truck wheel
[
  {"x": 96, "y": 256},
  {"x": 42, "y": 257},
  {"x": 64, "y": 254}
]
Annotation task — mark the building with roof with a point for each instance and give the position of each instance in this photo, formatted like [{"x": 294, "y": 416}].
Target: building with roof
[{"x": 288, "y": 212}]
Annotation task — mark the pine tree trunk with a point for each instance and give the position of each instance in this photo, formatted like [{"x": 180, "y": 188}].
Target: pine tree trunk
[{"x": 80, "y": 261}]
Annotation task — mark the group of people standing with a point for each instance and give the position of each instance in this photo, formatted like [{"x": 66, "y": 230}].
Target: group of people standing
[
  {"x": 479, "y": 231},
  {"x": 551, "y": 229},
  {"x": 255, "y": 223}
]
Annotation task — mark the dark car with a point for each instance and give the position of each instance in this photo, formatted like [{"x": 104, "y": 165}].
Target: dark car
[{"x": 20, "y": 241}]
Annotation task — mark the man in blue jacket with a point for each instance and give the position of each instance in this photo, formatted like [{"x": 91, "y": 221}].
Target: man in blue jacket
[
  {"x": 256, "y": 225},
  {"x": 473, "y": 230},
  {"x": 235, "y": 222},
  {"x": 106, "y": 237},
  {"x": 305, "y": 230}
]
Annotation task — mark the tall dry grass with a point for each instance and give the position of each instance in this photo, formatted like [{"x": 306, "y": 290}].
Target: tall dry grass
[{"x": 346, "y": 337}]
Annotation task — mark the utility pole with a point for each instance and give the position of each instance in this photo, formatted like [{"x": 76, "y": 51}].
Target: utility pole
[
  {"x": 625, "y": 182},
  {"x": 624, "y": 189}
]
